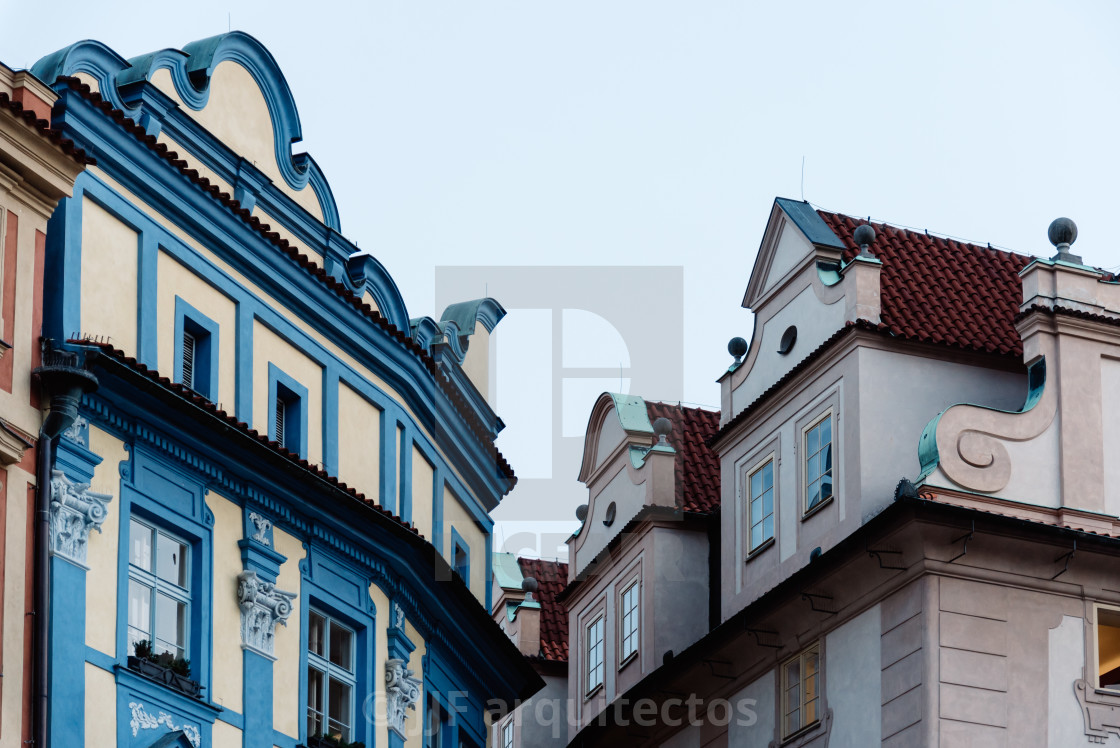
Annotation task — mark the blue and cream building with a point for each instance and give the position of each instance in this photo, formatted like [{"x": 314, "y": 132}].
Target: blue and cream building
[{"x": 282, "y": 482}]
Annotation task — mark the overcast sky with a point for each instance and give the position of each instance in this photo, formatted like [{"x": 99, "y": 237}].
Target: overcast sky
[{"x": 635, "y": 133}]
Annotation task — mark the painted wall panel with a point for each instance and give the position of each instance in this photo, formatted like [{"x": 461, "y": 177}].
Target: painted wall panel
[
  {"x": 101, "y": 579},
  {"x": 359, "y": 442},
  {"x": 268, "y": 347},
  {"x": 1065, "y": 723},
  {"x": 226, "y": 736},
  {"x": 286, "y": 708},
  {"x": 423, "y": 476},
  {"x": 414, "y": 719},
  {"x": 455, "y": 516},
  {"x": 476, "y": 364},
  {"x": 381, "y": 654},
  {"x": 1110, "y": 403},
  {"x": 101, "y": 706},
  {"x": 227, "y": 670},
  {"x": 110, "y": 257},
  {"x": 17, "y": 487},
  {"x": 851, "y": 653},
  {"x": 176, "y": 280},
  {"x": 758, "y": 699}
]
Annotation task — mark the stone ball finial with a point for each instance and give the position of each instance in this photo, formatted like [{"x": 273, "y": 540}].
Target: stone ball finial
[
  {"x": 1062, "y": 231},
  {"x": 530, "y": 584},
  {"x": 864, "y": 234},
  {"x": 662, "y": 427},
  {"x": 737, "y": 347},
  {"x": 581, "y": 512}
]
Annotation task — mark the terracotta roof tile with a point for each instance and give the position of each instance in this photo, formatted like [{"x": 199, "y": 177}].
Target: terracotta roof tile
[
  {"x": 45, "y": 130},
  {"x": 552, "y": 576},
  {"x": 697, "y": 466},
  {"x": 941, "y": 290}
]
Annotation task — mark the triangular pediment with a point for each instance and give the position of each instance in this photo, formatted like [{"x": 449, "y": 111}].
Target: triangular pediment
[{"x": 794, "y": 234}]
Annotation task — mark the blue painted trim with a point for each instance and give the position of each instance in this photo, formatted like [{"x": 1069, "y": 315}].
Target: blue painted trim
[
  {"x": 405, "y": 505},
  {"x": 458, "y": 544},
  {"x": 156, "y": 698},
  {"x": 244, "y": 363},
  {"x": 256, "y": 700},
  {"x": 330, "y": 422},
  {"x": 66, "y": 679},
  {"x": 206, "y": 332},
  {"x": 265, "y": 561},
  {"x": 286, "y": 388},
  {"x": 148, "y": 313},
  {"x": 438, "y": 490},
  {"x": 232, "y": 718},
  {"x": 99, "y": 659},
  {"x": 388, "y": 473},
  {"x": 466, "y": 314}
]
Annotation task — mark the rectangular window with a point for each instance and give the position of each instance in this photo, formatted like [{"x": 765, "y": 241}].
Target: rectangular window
[
  {"x": 159, "y": 590},
  {"x": 761, "y": 504},
  {"x": 196, "y": 350},
  {"x": 330, "y": 677},
  {"x": 630, "y": 622},
  {"x": 1108, "y": 648},
  {"x": 460, "y": 557},
  {"x": 286, "y": 415},
  {"x": 507, "y": 734},
  {"x": 595, "y": 655},
  {"x": 433, "y": 730},
  {"x": 818, "y": 463},
  {"x": 801, "y": 691},
  {"x": 190, "y": 347}
]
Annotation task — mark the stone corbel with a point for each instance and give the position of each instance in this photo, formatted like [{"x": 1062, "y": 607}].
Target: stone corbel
[
  {"x": 402, "y": 691},
  {"x": 1101, "y": 711},
  {"x": 262, "y": 607},
  {"x": 74, "y": 510}
]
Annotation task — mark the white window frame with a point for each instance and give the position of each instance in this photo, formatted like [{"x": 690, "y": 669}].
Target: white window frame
[
  {"x": 807, "y": 510},
  {"x": 783, "y": 695},
  {"x": 1095, "y": 665},
  {"x": 766, "y": 542},
  {"x": 332, "y": 671},
  {"x": 590, "y": 670},
  {"x": 634, "y": 632},
  {"x": 507, "y": 733},
  {"x": 152, "y": 580}
]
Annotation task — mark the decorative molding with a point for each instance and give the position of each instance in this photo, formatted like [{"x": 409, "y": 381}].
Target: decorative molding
[
  {"x": 1101, "y": 711},
  {"x": 77, "y": 431},
  {"x": 145, "y": 720},
  {"x": 262, "y": 529},
  {"x": 75, "y": 510},
  {"x": 402, "y": 691},
  {"x": 12, "y": 444},
  {"x": 262, "y": 607}
]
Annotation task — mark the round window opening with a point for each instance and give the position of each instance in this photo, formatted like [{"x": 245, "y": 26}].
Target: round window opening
[
  {"x": 789, "y": 337},
  {"x": 608, "y": 520}
]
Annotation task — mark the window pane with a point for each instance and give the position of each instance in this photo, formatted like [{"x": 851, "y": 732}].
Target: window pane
[
  {"x": 1108, "y": 647},
  {"x": 140, "y": 608},
  {"x": 768, "y": 476},
  {"x": 341, "y": 641},
  {"x": 768, "y": 527},
  {"x": 826, "y": 459},
  {"x": 315, "y": 632},
  {"x": 812, "y": 443},
  {"x": 756, "y": 484},
  {"x": 314, "y": 701},
  {"x": 338, "y": 710},
  {"x": 170, "y": 625},
  {"x": 768, "y": 502},
  {"x": 756, "y": 510},
  {"x": 826, "y": 487},
  {"x": 810, "y": 712},
  {"x": 814, "y": 494},
  {"x": 826, "y": 430},
  {"x": 171, "y": 557},
  {"x": 756, "y": 536},
  {"x": 814, "y": 471},
  {"x": 793, "y": 721},
  {"x": 793, "y": 674},
  {"x": 140, "y": 545}
]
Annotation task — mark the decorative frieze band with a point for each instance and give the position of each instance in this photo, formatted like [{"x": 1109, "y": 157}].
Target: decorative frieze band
[
  {"x": 262, "y": 607},
  {"x": 75, "y": 510}
]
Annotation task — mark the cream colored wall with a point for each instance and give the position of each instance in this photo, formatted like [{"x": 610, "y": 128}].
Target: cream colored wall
[
  {"x": 423, "y": 487},
  {"x": 110, "y": 255},
  {"x": 225, "y": 736},
  {"x": 237, "y": 113},
  {"x": 101, "y": 579},
  {"x": 414, "y": 719},
  {"x": 227, "y": 671},
  {"x": 286, "y": 708},
  {"x": 381, "y": 654},
  {"x": 476, "y": 364},
  {"x": 89, "y": 80},
  {"x": 101, "y": 706},
  {"x": 15, "y": 590},
  {"x": 174, "y": 280},
  {"x": 359, "y": 442},
  {"x": 455, "y": 515},
  {"x": 268, "y": 347}
]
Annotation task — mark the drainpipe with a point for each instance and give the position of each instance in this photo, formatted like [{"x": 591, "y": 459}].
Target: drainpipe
[{"x": 64, "y": 381}]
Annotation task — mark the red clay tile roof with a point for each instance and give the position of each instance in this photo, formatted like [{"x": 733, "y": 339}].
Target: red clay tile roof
[
  {"x": 552, "y": 576},
  {"x": 697, "y": 466},
  {"x": 941, "y": 290},
  {"x": 472, "y": 421},
  {"x": 45, "y": 130}
]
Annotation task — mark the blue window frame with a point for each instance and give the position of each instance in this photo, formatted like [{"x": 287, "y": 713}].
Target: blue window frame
[
  {"x": 460, "y": 557},
  {"x": 159, "y": 589},
  {"x": 331, "y": 676},
  {"x": 287, "y": 415},
  {"x": 196, "y": 350}
]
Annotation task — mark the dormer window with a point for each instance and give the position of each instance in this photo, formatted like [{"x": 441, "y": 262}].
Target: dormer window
[{"x": 818, "y": 462}]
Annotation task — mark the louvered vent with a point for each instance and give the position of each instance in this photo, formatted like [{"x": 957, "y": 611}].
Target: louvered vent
[
  {"x": 190, "y": 346},
  {"x": 281, "y": 407}
]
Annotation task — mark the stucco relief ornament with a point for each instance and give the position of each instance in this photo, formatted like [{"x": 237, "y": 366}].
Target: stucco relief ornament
[
  {"x": 76, "y": 432},
  {"x": 144, "y": 720},
  {"x": 262, "y": 607},
  {"x": 261, "y": 528},
  {"x": 402, "y": 691},
  {"x": 75, "y": 510}
]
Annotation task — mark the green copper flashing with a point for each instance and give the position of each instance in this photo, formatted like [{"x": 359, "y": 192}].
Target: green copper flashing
[
  {"x": 632, "y": 413},
  {"x": 928, "y": 456},
  {"x": 829, "y": 272},
  {"x": 507, "y": 572}
]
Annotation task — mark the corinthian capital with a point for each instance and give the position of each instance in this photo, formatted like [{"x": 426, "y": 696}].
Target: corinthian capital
[
  {"x": 75, "y": 510},
  {"x": 262, "y": 607}
]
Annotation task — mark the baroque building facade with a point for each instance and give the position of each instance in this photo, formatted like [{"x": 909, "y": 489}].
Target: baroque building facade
[
  {"x": 269, "y": 515},
  {"x": 900, "y": 529}
]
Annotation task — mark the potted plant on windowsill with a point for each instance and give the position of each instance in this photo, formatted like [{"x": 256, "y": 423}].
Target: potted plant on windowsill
[
  {"x": 163, "y": 667},
  {"x": 319, "y": 740}
]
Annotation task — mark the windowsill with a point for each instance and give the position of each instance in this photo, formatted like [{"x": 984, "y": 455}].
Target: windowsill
[
  {"x": 764, "y": 545},
  {"x": 818, "y": 507},
  {"x": 803, "y": 732},
  {"x": 135, "y": 679},
  {"x": 627, "y": 660},
  {"x": 592, "y": 693}
]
